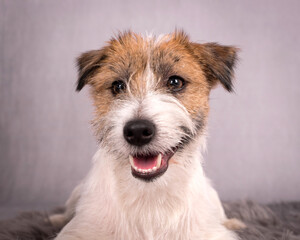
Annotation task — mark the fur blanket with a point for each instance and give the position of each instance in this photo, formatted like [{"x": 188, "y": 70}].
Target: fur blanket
[{"x": 264, "y": 222}]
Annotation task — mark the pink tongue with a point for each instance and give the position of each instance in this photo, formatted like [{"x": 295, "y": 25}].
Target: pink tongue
[{"x": 145, "y": 162}]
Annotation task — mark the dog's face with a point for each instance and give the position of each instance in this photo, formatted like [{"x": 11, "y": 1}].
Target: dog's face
[{"x": 151, "y": 96}]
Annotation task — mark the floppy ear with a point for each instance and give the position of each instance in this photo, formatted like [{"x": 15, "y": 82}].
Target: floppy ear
[
  {"x": 218, "y": 62},
  {"x": 87, "y": 64}
]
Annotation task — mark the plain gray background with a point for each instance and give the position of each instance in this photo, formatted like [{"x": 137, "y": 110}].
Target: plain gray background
[{"x": 46, "y": 142}]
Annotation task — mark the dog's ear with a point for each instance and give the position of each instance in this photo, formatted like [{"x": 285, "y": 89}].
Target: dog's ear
[
  {"x": 218, "y": 62},
  {"x": 87, "y": 64}
]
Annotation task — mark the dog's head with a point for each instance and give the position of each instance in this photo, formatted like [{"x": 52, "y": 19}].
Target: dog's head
[{"x": 151, "y": 95}]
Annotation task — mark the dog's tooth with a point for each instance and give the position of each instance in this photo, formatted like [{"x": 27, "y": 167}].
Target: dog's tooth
[
  {"x": 158, "y": 163},
  {"x": 154, "y": 168},
  {"x": 131, "y": 161}
]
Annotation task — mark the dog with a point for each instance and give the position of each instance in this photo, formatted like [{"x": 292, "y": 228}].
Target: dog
[{"x": 151, "y": 97}]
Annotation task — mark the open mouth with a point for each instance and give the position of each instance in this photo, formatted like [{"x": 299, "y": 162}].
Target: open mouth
[{"x": 149, "y": 167}]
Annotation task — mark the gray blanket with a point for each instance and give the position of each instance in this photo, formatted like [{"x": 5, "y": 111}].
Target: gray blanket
[{"x": 264, "y": 222}]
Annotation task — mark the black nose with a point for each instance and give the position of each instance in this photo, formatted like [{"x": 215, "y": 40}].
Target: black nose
[{"x": 139, "y": 132}]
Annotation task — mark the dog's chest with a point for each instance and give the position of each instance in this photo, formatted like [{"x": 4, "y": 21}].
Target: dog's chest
[{"x": 154, "y": 221}]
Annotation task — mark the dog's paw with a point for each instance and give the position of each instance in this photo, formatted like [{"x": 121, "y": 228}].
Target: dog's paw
[
  {"x": 57, "y": 220},
  {"x": 234, "y": 224}
]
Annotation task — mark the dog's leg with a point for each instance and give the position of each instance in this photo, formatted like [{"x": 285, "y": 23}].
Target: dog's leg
[
  {"x": 84, "y": 223},
  {"x": 214, "y": 198},
  {"x": 231, "y": 223},
  {"x": 60, "y": 220},
  {"x": 234, "y": 224},
  {"x": 95, "y": 217},
  {"x": 80, "y": 228}
]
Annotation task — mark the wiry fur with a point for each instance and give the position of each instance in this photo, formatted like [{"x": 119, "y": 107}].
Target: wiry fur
[{"x": 180, "y": 204}]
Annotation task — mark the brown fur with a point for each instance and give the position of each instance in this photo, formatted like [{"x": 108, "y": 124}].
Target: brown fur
[
  {"x": 174, "y": 58},
  {"x": 126, "y": 57}
]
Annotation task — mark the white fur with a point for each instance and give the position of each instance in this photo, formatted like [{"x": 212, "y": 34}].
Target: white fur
[{"x": 179, "y": 205}]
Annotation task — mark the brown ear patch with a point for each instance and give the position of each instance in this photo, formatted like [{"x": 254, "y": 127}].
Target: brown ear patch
[
  {"x": 217, "y": 61},
  {"x": 87, "y": 64}
]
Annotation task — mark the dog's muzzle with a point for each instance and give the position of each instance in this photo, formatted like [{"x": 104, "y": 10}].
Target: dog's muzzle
[{"x": 138, "y": 133}]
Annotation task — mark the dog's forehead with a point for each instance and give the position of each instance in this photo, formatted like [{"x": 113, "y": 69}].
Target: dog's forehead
[
  {"x": 146, "y": 63},
  {"x": 127, "y": 53},
  {"x": 142, "y": 60},
  {"x": 133, "y": 47}
]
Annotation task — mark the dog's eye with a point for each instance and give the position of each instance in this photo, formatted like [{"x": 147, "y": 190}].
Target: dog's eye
[
  {"x": 175, "y": 83},
  {"x": 118, "y": 87}
]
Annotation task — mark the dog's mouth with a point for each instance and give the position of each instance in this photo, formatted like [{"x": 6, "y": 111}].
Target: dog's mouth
[{"x": 149, "y": 167}]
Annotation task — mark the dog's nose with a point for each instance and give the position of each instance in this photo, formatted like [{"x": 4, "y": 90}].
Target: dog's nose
[{"x": 139, "y": 132}]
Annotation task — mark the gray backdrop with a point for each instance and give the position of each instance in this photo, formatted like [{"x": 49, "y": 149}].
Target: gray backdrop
[{"x": 46, "y": 142}]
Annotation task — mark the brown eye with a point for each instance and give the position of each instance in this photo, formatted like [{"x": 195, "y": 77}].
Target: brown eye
[
  {"x": 175, "y": 83},
  {"x": 118, "y": 87}
]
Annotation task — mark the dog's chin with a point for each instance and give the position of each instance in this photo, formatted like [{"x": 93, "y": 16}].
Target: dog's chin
[{"x": 150, "y": 167}]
